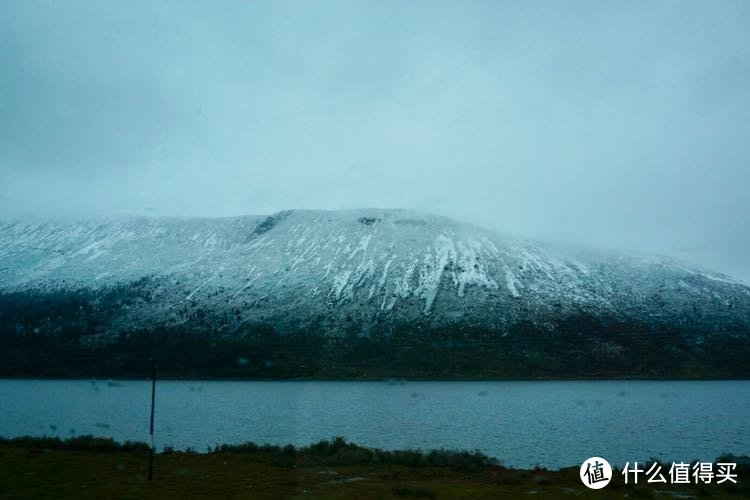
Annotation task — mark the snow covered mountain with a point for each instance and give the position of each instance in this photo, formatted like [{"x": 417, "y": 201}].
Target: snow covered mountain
[{"x": 360, "y": 269}]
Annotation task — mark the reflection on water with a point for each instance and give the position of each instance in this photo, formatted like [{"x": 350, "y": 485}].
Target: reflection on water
[{"x": 553, "y": 424}]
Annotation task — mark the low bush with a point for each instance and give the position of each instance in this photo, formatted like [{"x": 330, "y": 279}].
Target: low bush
[
  {"x": 338, "y": 451},
  {"x": 83, "y": 443}
]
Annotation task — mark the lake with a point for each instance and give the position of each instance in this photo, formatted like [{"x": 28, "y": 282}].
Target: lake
[{"x": 553, "y": 424}]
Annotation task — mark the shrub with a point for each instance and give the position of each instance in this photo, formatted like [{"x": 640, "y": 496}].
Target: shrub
[{"x": 83, "y": 443}]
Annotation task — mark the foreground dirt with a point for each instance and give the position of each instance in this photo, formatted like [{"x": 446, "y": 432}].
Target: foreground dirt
[{"x": 45, "y": 473}]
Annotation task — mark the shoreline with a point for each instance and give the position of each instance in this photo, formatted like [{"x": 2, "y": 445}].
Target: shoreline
[
  {"x": 326, "y": 448},
  {"x": 396, "y": 379}
]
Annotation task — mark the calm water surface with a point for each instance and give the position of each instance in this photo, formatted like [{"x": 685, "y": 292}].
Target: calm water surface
[{"x": 553, "y": 424}]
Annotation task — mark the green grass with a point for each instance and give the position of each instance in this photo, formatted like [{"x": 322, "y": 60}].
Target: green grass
[
  {"x": 90, "y": 467},
  {"x": 339, "y": 452}
]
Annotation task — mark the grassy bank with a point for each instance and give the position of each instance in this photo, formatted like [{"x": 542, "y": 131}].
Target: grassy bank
[{"x": 87, "y": 467}]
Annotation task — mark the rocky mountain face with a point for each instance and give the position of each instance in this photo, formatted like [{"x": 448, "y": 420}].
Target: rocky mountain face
[{"x": 364, "y": 273}]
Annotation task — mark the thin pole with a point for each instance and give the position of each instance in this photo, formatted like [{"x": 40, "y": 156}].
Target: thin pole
[{"x": 151, "y": 429}]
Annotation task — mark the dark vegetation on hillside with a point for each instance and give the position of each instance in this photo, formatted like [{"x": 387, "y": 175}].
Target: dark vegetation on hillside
[{"x": 66, "y": 334}]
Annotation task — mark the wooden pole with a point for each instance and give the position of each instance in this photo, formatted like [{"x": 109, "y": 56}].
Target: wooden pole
[{"x": 151, "y": 428}]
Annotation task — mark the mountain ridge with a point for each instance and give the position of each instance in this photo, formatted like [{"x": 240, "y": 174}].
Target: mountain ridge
[{"x": 357, "y": 274}]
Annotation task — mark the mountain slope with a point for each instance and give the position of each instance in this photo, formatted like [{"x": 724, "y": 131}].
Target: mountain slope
[{"x": 361, "y": 272}]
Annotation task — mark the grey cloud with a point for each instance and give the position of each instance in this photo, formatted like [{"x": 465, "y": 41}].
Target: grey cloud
[{"x": 620, "y": 124}]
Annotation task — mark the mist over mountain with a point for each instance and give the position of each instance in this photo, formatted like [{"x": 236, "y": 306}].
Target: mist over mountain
[{"x": 357, "y": 274}]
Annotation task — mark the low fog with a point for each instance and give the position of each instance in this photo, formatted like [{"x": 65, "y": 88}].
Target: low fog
[{"x": 613, "y": 124}]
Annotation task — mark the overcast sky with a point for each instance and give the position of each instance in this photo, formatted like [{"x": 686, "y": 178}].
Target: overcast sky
[{"x": 616, "y": 124}]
